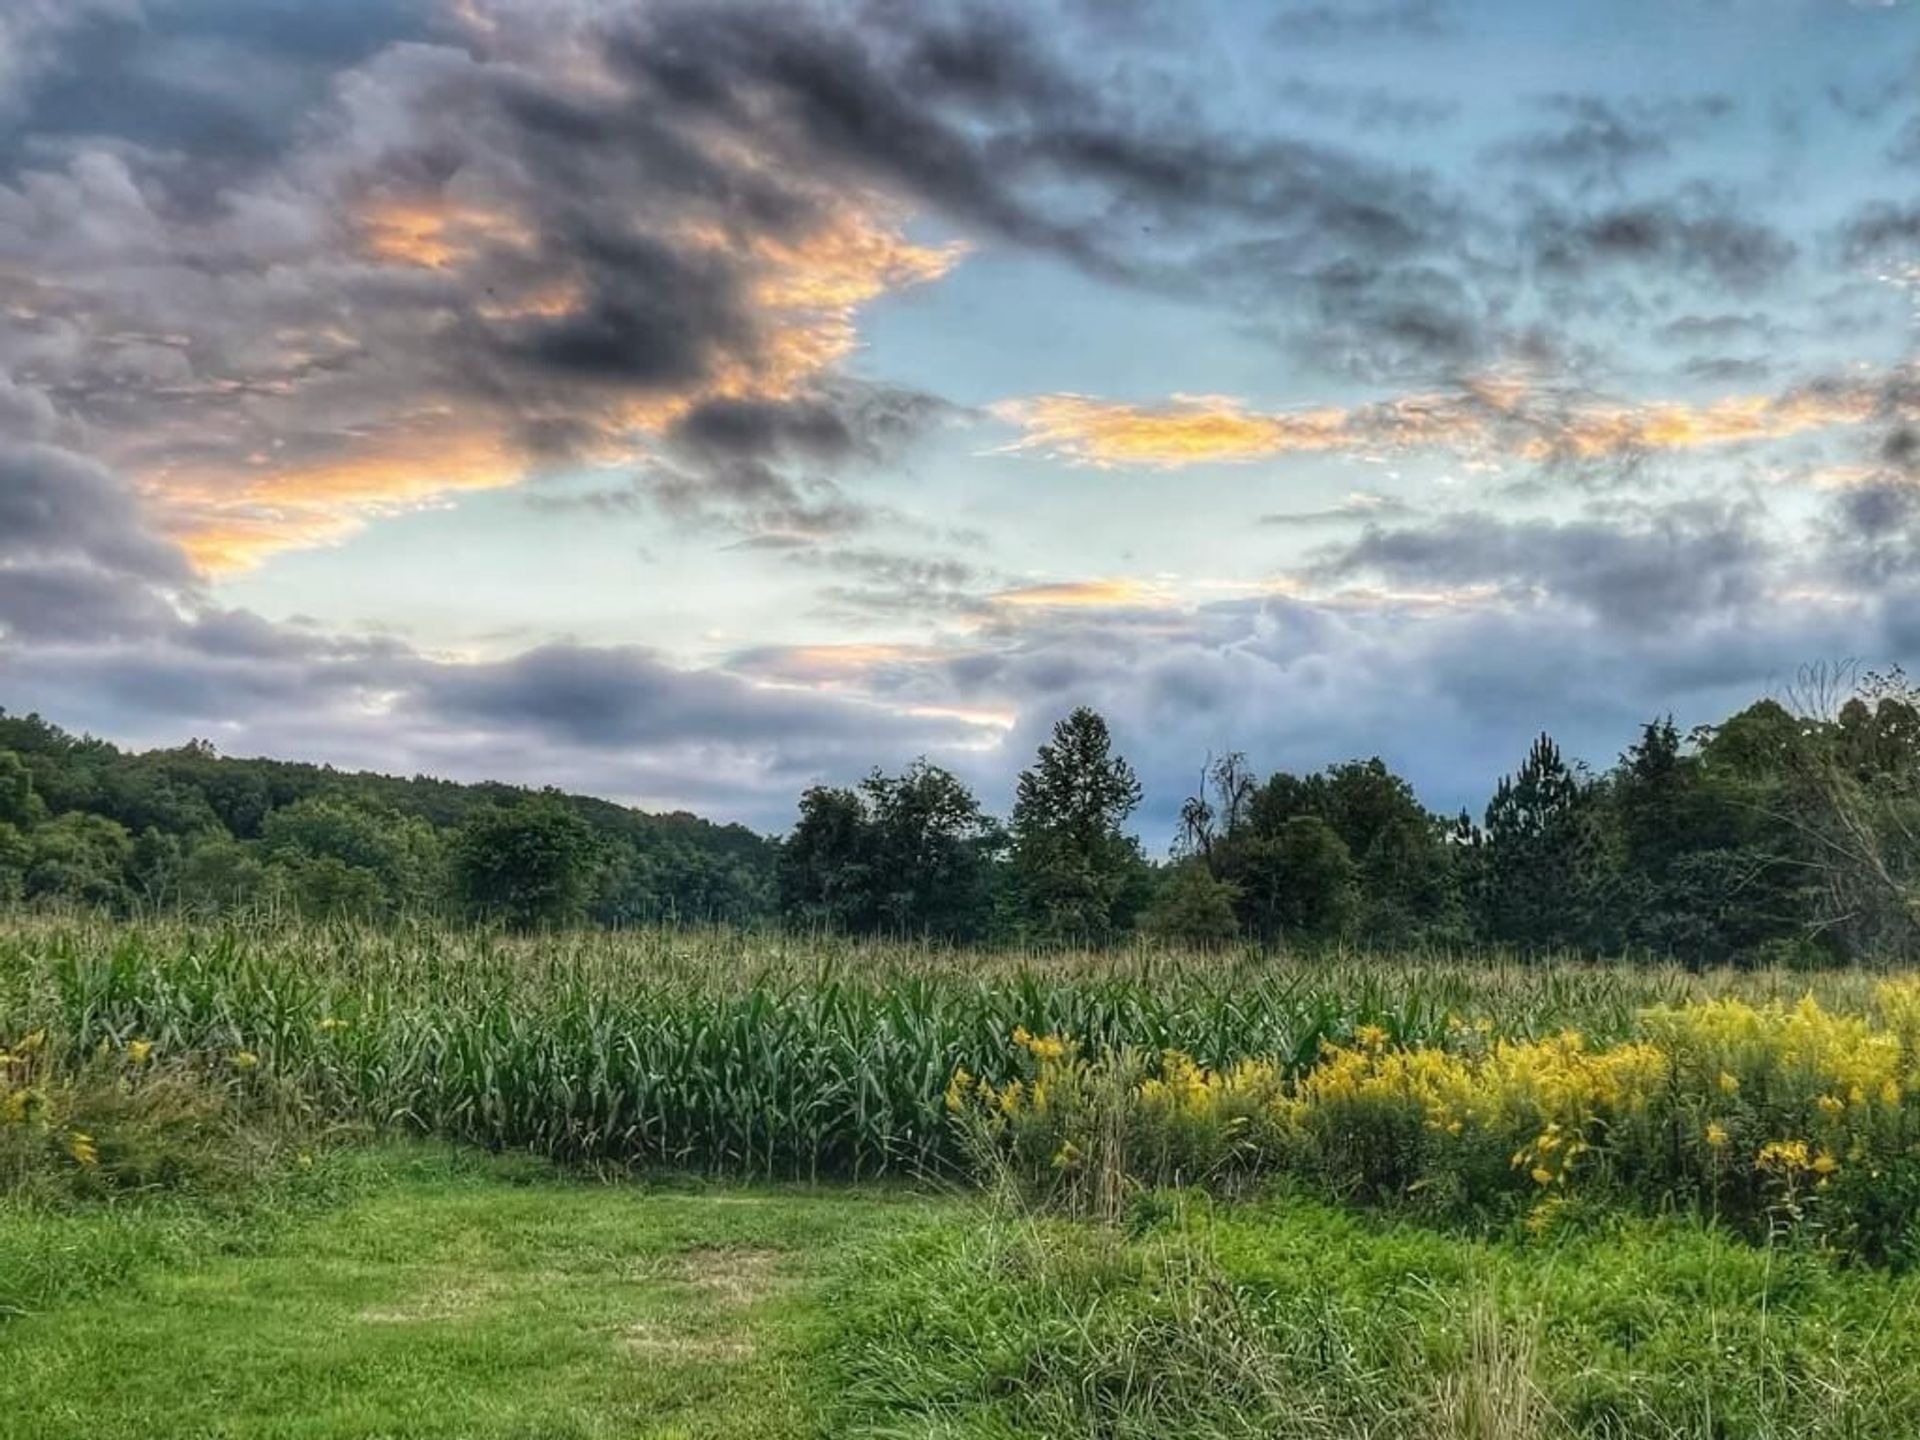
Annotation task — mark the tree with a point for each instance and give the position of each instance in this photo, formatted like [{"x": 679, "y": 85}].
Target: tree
[
  {"x": 1404, "y": 884},
  {"x": 1076, "y": 874},
  {"x": 824, "y": 864},
  {"x": 527, "y": 865},
  {"x": 16, "y": 857},
  {"x": 1298, "y": 882},
  {"x": 903, "y": 854},
  {"x": 336, "y": 856},
  {"x": 19, "y": 806},
  {"x": 81, "y": 858},
  {"x": 220, "y": 873},
  {"x": 1540, "y": 853},
  {"x": 930, "y": 853},
  {"x": 1191, "y": 907}
]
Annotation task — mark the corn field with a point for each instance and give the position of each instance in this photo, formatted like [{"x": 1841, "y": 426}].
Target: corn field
[{"x": 742, "y": 1053}]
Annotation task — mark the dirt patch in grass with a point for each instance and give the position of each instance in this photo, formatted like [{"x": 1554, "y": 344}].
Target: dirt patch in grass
[
  {"x": 650, "y": 1340},
  {"x": 732, "y": 1276},
  {"x": 447, "y": 1297}
]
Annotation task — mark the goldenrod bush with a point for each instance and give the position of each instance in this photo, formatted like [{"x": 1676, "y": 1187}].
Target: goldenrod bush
[
  {"x": 127, "y": 1118},
  {"x": 1769, "y": 1115}
]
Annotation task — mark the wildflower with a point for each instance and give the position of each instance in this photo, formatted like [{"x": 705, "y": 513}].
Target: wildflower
[
  {"x": 1831, "y": 1104},
  {"x": 245, "y": 1060},
  {"x": 138, "y": 1051},
  {"x": 1542, "y": 1175},
  {"x": 1824, "y": 1164},
  {"x": 1717, "y": 1135},
  {"x": 81, "y": 1147},
  {"x": 1729, "y": 1083},
  {"x": 1067, "y": 1156},
  {"x": 1010, "y": 1098},
  {"x": 1890, "y": 1093},
  {"x": 1041, "y": 1047},
  {"x": 332, "y": 1023},
  {"x": 304, "y": 1159},
  {"x": 957, "y": 1089},
  {"x": 1784, "y": 1156},
  {"x": 20, "y": 1106},
  {"x": 1371, "y": 1037}
]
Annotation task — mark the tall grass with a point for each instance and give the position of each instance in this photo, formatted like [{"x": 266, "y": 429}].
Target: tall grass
[{"x": 737, "y": 1052}]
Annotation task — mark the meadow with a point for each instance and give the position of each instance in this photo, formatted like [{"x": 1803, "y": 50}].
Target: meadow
[{"x": 334, "y": 1180}]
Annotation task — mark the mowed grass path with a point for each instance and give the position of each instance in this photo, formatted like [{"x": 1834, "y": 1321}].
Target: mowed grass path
[{"x": 453, "y": 1304}]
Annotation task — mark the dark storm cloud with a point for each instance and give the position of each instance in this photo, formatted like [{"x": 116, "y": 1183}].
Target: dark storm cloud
[
  {"x": 1659, "y": 568},
  {"x": 625, "y": 696},
  {"x": 978, "y": 116},
  {"x": 218, "y": 83},
  {"x": 56, "y": 504},
  {"x": 1697, "y": 236},
  {"x": 835, "y": 425},
  {"x": 1879, "y": 231}
]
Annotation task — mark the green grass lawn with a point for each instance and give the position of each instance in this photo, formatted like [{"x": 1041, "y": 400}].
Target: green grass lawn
[
  {"x": 427, "y": 1292},
  {"x": 455, "y": 1299}
]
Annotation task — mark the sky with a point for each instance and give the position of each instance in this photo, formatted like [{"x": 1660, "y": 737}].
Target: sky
[{"x": 690, "y": 402}]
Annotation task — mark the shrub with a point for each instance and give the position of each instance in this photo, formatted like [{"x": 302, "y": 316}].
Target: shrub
[{"x": 1771, "y": 1116}]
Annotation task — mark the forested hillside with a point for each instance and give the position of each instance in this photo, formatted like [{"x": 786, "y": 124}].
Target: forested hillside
[{"x": 82, "y": 820}]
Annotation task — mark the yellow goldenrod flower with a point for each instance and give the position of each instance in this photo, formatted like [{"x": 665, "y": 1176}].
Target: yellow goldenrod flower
[
  {"x": 20, "y": 1106},
  {"x": 1729, "y": 1083},
  {"x": 1542, "y": 1175},
  {"x": 1371, "y": 1037},
  {"x": 1717, "y": 1135},
  {"x": 1824, "y": 1164},
  {"x": 1831, "y": 1105},
  {"x": 138, "y": 1051},
  {"x": 80, "y": 1145},
  {"x": 1784, "y": 1156}
]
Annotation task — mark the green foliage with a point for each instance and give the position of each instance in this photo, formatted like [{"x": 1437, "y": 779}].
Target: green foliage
[
  {"x": 209, "y": 833},
  {"x": 527, "y": 865},
  {"x": 1192, "y": 908},
  {"x": 1540, "y": 860},
  {"x": 79, "y": 858},
  {"x": 907, "y": 854},
  {"x": 19, "y": 806},
  {"x": 1075, "y": 874}
]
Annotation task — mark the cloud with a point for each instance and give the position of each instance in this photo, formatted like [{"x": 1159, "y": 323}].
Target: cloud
[
  {"x": 1323, "y": 24},
  {"x": 1081, "y": 594},
  {"x": 1594, "y": 139},
  {"x": 1697, "y": 235},
  {"x": 1658, "y": 569},
  {"x": 1492, "y": 418},
  {"x": 1188, "y": 430},
  {"x": 462, "y": 268},
  {"x": 1360, "y": 505}
]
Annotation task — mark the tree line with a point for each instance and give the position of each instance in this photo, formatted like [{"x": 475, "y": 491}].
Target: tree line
[{"x": 1786, "y": 832}]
